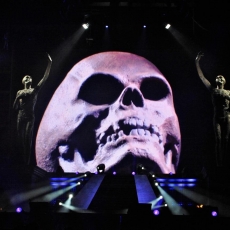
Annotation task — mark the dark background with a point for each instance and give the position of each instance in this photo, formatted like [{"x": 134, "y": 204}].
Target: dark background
[{"x": 32, "y": 28}]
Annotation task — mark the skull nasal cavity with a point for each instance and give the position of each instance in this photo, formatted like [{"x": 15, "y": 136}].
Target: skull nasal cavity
[{"x": 133, "y": 96}]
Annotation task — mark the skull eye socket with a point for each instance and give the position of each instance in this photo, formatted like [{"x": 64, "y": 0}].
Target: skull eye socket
[
  {"x": 100, "y": 89},
  {"x": 154, "y": 89}
]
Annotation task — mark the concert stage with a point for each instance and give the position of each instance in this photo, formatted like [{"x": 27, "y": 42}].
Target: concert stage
[{"x": 113, "y": 201}]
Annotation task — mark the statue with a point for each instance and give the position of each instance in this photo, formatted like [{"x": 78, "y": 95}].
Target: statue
[
  {"x": 25, "y": 103},
  {"x": 221, "y": 118}
]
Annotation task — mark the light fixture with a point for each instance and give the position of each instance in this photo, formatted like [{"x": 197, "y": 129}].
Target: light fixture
[
  {"x": 85, "y": 25},
  {"x": 18, "y": 209},
  {"x": 70, "y": 195},
  {"x": 141, "y": 169},
  {"x": 214, "y": 213},
  {"x": 151, "y": 174},
  {"x": 86, "y": 174},
  {"x": 156, "y": 212},
  {"x": 100, "y": 168},
  {"x": 167, "y": 26}
]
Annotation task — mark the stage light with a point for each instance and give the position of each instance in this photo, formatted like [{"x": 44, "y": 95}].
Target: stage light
[
  {"x": 156, "y": 184},
  {"x": 133, "y": 173},
  {"x": 106, "y": 26},
  {"x": 114, "y": 173},
  {"x": 167, "y": 26},
  {"x": 151, "y": 174},
  {"x": 141, "y": 169},
  {"x": 60, "y": 203},
  {"x": 161, "y": 197},
  {"x": 156, "y": 212},
  {"x": 101, "y": 168},
  {"x": 85, "y": 26},
  {"x": 18, "y": 209},
  {"x": 87, "y": 174},
  {"x": 70, "y": 195},
  {"x": 214, "y": 213},
  {"x": 144, "y": 26}
]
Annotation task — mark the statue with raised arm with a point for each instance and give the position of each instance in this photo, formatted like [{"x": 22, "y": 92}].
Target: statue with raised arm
[
  {"x": 221, "y": 118},
  {"x": 25, "y": 103}
]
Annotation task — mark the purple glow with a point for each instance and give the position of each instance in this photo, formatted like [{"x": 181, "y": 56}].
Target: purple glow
[
  {"x": 114, "y": 173},
  {"x": 214, "y": 213},
  {"x": 133, "y": 173},
  {"x": 156, "y": 212},
  {"x": 18, "y": 209}
]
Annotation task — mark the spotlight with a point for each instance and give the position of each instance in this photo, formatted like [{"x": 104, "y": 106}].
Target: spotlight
[
  {"x": 87, "y": 174},
  {"x": 144, "y": 26},
  {"x": 106, "y": 26},
  {"x": 133, "y": 173},
  {"x": 60, "y": 203},
  {"x": 151, "y": 174},
  {"x": 101, "y": 168},
  {"x": 214, "y": 213},
  {"x": 156, "y": 212},
  {"x": 18, "y": 209},
  {"x": 85, "y": 26},
  {"x": 70, "y": 195},
  {"x": 141, "y": 169},
  {"x": 167, "y": 26},
  {"x": 114, "y": 173}
]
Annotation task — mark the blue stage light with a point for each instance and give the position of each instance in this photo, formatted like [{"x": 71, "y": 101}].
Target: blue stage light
[{"x": 18, "y": 209}]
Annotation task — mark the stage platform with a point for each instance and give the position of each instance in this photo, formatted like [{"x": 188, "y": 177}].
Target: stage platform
[
  {"x": 113, "y": 201},
  {"x": 86, "y": 221}
]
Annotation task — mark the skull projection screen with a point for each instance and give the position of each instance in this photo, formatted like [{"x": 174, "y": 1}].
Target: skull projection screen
[{"x": 112, "y": 108}]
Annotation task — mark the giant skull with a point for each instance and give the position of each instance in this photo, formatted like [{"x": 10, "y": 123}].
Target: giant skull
[{"x": 114, "y": 108}]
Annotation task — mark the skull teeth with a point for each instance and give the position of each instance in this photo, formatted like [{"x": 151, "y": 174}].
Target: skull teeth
[{"x": 130, "y": 126}]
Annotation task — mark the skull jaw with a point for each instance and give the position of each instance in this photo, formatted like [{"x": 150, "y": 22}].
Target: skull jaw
[{"x": 124, "y": 154}]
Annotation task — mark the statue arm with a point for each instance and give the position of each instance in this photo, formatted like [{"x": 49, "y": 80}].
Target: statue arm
[
  {"x": 228, "y": 95},
  {"x": 42, "y": 81},
  {"x": 16, "y": 102},
  {"x": 200, "y": 73}
]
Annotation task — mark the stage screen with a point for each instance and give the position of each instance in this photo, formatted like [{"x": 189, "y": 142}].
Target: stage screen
[{"x": 112, "y": 108}]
